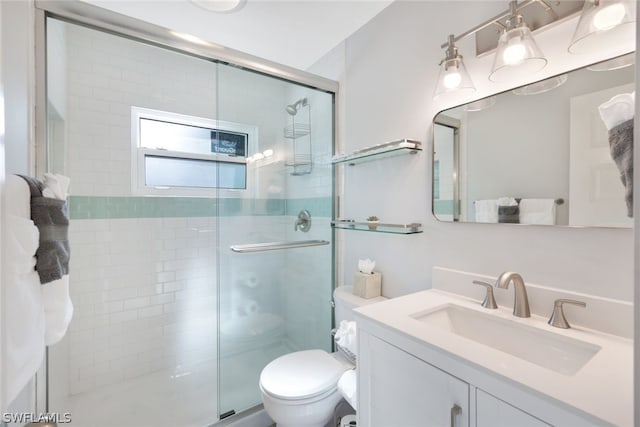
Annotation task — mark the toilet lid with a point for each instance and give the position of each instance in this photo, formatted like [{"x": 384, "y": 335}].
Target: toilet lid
[{"x": 301, "y": 375}]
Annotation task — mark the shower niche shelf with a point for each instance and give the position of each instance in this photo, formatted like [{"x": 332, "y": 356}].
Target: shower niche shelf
[
  {"x": 380, "y": 151},
  {"x": 411, "y": 228}
]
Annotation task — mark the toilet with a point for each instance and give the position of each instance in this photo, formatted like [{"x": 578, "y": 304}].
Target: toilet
[{"x": 301, "y": 389}]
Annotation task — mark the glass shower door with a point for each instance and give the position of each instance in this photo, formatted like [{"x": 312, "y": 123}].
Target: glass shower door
[{"x": 274, "y": 278}]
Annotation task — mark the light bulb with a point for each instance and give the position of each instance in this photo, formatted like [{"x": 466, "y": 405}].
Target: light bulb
[
  {"x": 452, "y": 79},
  {"x": 268, "y": 153},
  {"x": 514, "y": 53},
  {"x": 608, "y": 17}
]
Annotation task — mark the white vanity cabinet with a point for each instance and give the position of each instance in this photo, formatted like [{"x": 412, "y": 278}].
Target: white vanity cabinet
[
  {"x": 397, "y": 389},
  {"x": 493, "y": 412}
]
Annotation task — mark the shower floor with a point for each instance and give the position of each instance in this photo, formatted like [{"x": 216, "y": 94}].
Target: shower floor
[
  {"x": 156, "y": 400},
  {"x": 164, "y": 400}
]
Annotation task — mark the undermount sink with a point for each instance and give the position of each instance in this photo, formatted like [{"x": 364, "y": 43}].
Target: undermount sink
[{"x": 547, "y": 349}]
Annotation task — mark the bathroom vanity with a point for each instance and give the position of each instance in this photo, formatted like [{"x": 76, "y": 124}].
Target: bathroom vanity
[{"x": 440, "y": 359}]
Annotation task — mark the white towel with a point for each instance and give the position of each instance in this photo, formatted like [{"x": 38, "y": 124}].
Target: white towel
[
  {"x": 538, "y": 211},
  {"x": 507, "y": 201},
  {"x": 58, "y": 308},
  {"x": 24, "y": 312},
  {"x": 486, "y": 210},
  {"x": 347, "y": 385},
  {"x": 23, "y": 295},
  {"x": 56, "y": 186},
  {"x": 617, "y": 110},
  {"x": 346, "y": 336}
]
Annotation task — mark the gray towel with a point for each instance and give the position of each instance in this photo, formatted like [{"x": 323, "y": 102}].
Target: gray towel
[
  {"x": 51, "y": 217},
  {"x": 509, "y": 214},
  {"x": 621, "y": 144}
]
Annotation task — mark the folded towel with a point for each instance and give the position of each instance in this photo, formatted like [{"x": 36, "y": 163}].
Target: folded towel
[
  {"x": 621, "y": 145},
  {"x": 509, "y": 214},
  {"x": 24, "y": 314},
  {"x": 486, "y": 210},
  {"x": 617, "y": 110},
  {"x": 538, "y": 211},
  {"x": 51, "y": 217}
]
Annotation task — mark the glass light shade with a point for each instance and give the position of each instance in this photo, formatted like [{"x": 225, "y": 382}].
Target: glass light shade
[
  {"x": 481, "y": 104},
  {"x": 542, "y": 86},
  {"x": 220, "y": 6},
  {"x": 602, "y": 24},
  {"x": 517, "y": 52},
  {"x": 453, "y": 77},
  {"x": 614, "y": 64}
]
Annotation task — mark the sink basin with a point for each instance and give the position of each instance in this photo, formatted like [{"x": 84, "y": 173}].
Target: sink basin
[{"x": 547, "y": 349}]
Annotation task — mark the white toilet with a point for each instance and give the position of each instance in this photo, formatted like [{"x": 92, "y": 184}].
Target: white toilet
[{"x": 300, "y": 389}]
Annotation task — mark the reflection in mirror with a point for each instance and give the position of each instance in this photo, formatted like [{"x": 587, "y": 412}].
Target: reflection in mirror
[{"x": 544, "y": 153}]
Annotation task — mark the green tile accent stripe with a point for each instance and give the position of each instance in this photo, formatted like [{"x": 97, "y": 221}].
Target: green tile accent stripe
[
  {"x": 443, "y": 207},
  {"x": 90, "y": 207},
  {"x": 318, "y": 206}
]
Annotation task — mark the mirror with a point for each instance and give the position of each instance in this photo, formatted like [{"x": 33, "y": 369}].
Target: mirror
[{"x": 538, "y": 154}]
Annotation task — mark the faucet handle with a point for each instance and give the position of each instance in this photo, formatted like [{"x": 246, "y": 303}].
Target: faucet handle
[
  {"x": 489, "y": 301},
  {"x": 557, "y": 318}
]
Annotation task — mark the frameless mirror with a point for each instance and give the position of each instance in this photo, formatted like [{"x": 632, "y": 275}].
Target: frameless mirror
[{"x": 538, "y": 154}]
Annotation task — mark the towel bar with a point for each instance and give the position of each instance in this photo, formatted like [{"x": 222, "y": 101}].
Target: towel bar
[{"x": 273, "y": 246}]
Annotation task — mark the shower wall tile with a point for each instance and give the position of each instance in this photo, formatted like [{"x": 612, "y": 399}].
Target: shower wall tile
[
  {"x": 142, "y": 308},
  {"x": 139, "y": 308}
]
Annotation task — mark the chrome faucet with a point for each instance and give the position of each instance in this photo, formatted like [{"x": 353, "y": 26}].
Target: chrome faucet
[{"x": 520, "y": 302}]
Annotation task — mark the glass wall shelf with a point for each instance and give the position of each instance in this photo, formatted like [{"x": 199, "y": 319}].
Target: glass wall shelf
[
  {"x": 346, "y": 224},
  {"x": 380, "y": 151}
]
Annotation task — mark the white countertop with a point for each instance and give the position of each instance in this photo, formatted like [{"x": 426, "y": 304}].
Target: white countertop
[{"x": 602, "y": 388}]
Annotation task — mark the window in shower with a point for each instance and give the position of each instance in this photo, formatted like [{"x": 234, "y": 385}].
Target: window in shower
[{"x": 187, "y": 155}]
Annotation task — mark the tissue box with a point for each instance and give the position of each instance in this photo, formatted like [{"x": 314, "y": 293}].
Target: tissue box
[{"x": 367, "y": 285}]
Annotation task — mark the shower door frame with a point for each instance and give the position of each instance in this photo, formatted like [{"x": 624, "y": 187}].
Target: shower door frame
[{"x": 104, "y": 20}]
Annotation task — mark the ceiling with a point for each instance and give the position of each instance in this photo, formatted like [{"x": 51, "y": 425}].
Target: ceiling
[{"x": 292, "y": 32}]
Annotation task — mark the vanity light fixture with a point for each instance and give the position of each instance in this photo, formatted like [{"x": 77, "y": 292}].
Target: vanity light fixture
[
  {"x": 603, "y": 23},
  {"x": 517, "y": 50},
  {"x": 453, "y": 74}
]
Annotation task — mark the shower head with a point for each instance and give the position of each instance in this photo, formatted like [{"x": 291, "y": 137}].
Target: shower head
[{"x": 293, "y": 108}]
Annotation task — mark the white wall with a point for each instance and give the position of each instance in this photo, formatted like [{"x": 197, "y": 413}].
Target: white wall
[{"x": 390, "y": 72}]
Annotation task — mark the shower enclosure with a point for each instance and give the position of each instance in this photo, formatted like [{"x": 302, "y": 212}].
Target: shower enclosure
[{"x": 189, "y": 272}]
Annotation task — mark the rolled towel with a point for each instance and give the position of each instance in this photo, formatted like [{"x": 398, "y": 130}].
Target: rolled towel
[
  {"x": 346, "y": 336},
  {"x": 621, "y": 145},
  {"x": 347, "y": 385},
  {"x": 538, "y": 211},
  {"x": 486, "y": 210}
]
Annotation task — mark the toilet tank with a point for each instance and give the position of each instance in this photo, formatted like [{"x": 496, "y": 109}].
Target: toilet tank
[{"x": 345, "y": 302}]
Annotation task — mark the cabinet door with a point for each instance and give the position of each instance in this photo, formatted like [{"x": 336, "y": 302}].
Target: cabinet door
[
  {"x": 402, "y": 390},
  {"x": 493, "y": 412}
]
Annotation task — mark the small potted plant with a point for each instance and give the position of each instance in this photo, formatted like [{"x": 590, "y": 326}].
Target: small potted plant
[{"x": 373, "y": 222}]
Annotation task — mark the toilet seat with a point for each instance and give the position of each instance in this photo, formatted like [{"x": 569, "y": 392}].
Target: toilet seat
[{"x": 301, "y": 375}]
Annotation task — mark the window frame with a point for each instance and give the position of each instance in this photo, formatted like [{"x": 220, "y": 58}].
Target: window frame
[{"x": 138, "y": 152}]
